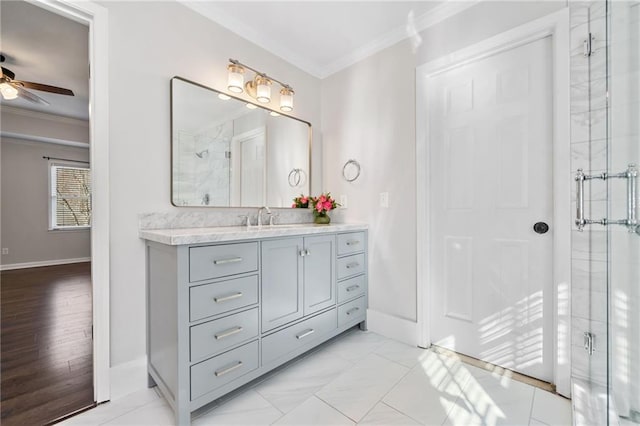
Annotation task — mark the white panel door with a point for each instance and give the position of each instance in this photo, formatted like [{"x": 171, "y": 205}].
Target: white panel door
[{"x": 490, "y": 137}]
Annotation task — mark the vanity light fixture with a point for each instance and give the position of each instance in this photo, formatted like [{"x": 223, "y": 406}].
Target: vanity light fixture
[
  {"x": 251, "y": 106},
  {"x": 223, "y": 96},
  {"x": 274, "y": 114},
  {"x": 235, "y": 80},
  {"x": 259, "y": 87}
]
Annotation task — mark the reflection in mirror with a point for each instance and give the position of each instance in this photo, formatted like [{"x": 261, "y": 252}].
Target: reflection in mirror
[{"x": 225, "y": 154}]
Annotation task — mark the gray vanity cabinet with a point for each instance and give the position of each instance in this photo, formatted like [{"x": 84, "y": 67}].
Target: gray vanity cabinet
[
  {"x": 319, "y": 273},
  {"x": 222, "y": 314},
  {"x": 298, "y": 278},
  {"x": 282, "y": 275}
]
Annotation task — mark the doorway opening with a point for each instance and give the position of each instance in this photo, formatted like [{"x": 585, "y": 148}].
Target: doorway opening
[{"x": 53, "y": 266}]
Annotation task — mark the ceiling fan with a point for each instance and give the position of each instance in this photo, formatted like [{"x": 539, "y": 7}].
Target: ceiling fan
[{"x": 10, "y": 88}]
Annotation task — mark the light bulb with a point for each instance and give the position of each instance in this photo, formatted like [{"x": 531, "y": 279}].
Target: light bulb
[
  {"x": 274, "y": 114},
  {"x": 286, "y": 99},
  {"x": 251, "y": 106},
  {"x": 224, "y": 97},
  {"x": 263, "y": 89},
  {"x": 235, "y": 80},
  {"x": 8, "y": 91}
]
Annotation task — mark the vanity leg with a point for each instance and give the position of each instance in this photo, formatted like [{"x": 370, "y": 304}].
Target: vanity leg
[
  {"x": 363, "y": 325},
  {"x": 150, "y": 382}
]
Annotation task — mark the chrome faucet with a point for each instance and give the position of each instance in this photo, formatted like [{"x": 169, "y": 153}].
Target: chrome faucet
[{"x": 260, "y": 215}]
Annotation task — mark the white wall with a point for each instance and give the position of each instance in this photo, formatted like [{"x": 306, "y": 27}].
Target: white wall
[
  {"x": 25, "y": 182},
  {"x": 368, "y": 114},
  {"x": 150, "y": 42}
]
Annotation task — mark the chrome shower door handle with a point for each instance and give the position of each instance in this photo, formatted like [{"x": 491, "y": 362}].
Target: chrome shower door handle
[
  {"x": 632, "y": 198},
  {"x": 580, "y": 178}
]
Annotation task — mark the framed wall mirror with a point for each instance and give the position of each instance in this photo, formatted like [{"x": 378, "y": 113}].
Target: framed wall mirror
[{"x": 226, "y": 152}]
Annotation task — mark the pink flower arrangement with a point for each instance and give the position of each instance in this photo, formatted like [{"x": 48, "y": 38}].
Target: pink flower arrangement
[
  {"x": 300, "y": 202},
  {"x": 323, "y": 204}
]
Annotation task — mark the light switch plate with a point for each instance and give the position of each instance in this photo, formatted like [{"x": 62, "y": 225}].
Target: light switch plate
[{"x": 384, "y": 200}]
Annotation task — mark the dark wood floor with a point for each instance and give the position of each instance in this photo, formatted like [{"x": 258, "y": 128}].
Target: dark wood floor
[{"x": 46, "y": 367}]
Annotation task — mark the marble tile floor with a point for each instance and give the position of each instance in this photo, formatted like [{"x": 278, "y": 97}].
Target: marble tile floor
[{"x": 359, "y": 378}]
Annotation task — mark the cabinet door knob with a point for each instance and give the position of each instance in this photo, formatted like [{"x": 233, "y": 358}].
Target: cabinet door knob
[{"x": 303, "y": 253}]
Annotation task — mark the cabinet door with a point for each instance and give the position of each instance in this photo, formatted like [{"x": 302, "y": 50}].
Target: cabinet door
[
  {"x": 319, "y": 273},
  {"x": 282, "y": 273}
]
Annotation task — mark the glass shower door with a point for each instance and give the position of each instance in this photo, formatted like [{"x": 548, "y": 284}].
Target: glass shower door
[{"x": 623, "y": 235}]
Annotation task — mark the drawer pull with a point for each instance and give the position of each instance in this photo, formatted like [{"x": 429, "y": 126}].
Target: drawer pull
[
  {"x": 353, "y": 287},
  {"x": 352, "y": 265},
  {"x": 229, "y": 332},
  {"x": 353, "y": 310},
  {"x": 227, "y": 298},
  {"x": 305, "y": 333},
  {"x": 353, "y": 242},
  {"x": 224, "y": 261},
  {"x": 229, "y": 369}
]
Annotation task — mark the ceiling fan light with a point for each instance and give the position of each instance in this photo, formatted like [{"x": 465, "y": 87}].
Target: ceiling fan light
[
  {"x": 286, "y": 99},
  {"x": 8, "y": 91},
  {"x": 235, "y": 79},
  {"x": 263, "y": 89}
]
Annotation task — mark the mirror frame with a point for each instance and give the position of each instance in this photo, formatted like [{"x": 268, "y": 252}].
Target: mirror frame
[{"x": 216, "y": 91}]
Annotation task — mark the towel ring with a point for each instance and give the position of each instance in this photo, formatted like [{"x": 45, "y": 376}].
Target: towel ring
[
  {"x": 296, "y": 176},
  {"x": 351, "y": 170}
]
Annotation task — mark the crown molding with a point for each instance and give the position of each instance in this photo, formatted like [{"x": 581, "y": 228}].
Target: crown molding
[
  {"x": 44, "y": 116},
  {"x": 430, "y": 18},
  {"x": 218, "y": 15},
  {"x": 422, "y": 22},
  {"x": 43, "y": 139}
]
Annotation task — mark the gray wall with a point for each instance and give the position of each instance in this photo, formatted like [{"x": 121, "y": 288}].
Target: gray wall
[
  {"x": 24, "y": 225},
  {"x": 150, "y": 42},
  {"x": 368, "y": 113}
]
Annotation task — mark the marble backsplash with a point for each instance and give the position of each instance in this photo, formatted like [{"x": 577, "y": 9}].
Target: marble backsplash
[{"x": 224, "y": 217}]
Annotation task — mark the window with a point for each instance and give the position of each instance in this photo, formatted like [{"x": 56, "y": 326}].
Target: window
[{"x": 70, "y": 197}]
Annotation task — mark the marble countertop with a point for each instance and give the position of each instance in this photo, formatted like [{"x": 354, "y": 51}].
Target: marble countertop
[{"x": 182, "y": 236}]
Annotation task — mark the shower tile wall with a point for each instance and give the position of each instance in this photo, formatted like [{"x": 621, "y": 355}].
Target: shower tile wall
[{"x": 589, "y": 152}]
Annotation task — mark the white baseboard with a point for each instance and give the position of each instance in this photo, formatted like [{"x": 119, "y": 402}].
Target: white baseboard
[
  {"x": 128, "y": 377},
  {"x": 400, "y": 329},
  {"x": 40, "y": 263}
]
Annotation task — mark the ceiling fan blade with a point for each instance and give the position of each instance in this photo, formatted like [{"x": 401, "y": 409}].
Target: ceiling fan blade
[
  {"x": 29, "y": 96},
  {"x": 44, "y": 87}
]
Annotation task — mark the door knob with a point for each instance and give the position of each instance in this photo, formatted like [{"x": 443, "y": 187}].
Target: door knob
[{"x": 540, "y": 228}]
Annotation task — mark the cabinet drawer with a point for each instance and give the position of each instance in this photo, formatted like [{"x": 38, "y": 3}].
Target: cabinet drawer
[
  {"x": 296, "y": 336},
  {"x": 351, "y": 265},
  {"x": 217, "y": 298},
  {"x": 216, "y": 336},
  {"x": 220, "y": 370},
  {"x": 223, "y": 260},
  {"x": 353, "y": 287},
  {"x": 353, "y": 311},
  {"x": 351, "y": 243}
]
